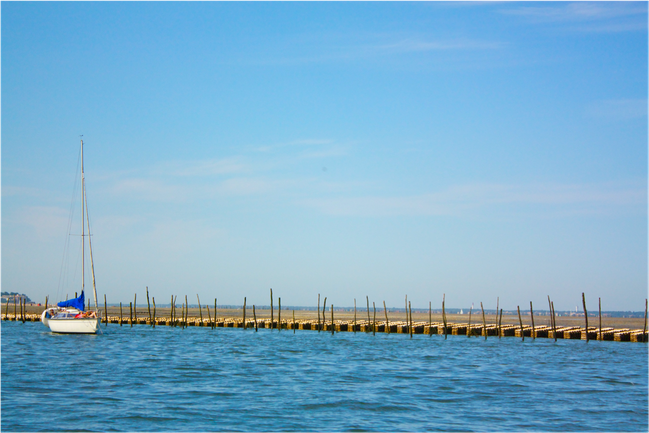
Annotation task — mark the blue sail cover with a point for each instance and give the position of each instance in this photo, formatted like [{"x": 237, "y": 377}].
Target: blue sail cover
[{"x": 74, "y": 303}]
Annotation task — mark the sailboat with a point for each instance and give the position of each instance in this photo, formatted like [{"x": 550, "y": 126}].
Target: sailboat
[{"x": 70, "y": 317}]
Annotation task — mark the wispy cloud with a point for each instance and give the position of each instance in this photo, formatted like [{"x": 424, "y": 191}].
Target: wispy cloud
[
  {"x": 587, "y": 16},
  {"x": 461, "y": 200}
]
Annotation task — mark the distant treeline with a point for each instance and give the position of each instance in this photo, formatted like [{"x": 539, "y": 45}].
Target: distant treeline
[{"x": 10, "y": 296}]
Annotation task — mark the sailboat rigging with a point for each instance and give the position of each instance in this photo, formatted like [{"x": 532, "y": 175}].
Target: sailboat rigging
[{"x": 69, "y": 317}]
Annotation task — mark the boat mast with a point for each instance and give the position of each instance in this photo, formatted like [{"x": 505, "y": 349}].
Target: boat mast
[
  {"x": 92, "y": 263},
  {"x": 83, "y": 229}
]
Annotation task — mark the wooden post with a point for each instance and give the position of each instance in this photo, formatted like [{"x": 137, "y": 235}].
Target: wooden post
[
  {"x": 319, "y": 312},
  {"x": 279, "y": 313},
  {"x": 254, "y": 315},
  {"x": 551, "y": 313},
  {"x": 120, "y": 314},
  {"x": 333, "y": 327},
  {"x": 272, "y": 319},
  {"x": 583, "y": 298},
  {"x": 7, "y": 308},
  {"x": 444, "y": 315},
  {"x": 600, "y": 319},
  {"x": 324, "y": 320},
  {"x": 209, "y": 317},
  {"x": 368, "y": 310},
  {"x": 22, "y": 309},
  {"x": 532, "y": 316},
  {"x": 374, "y": 321},
  {"x": 500, "y": 323},
  {"x": 15, "y": 310},
  {"x": 354, "y": 315},
  {"x": 644, "y": 331},
  {"x": 554, "y": 322},
  {"x": 387, "y": 323},
  {"x": 153, "y": 318},
  {"x": 148, "y": 304},
  {"x": 410, "y": 308},
  {"x": 407, "y": 317},
  {"x": 186, "y": 310},
  {"x": 293, "y": 321},
  {"x": 215, "y": 312},
  {"x": 468, "y": 331},
  {"x": 131, "y": 313},
  {"x": 46, "y": 299},
  {"x": 106, "y": 310},
  {"x": 134, "y": 308},
  {"x": 200, "y": 310},
  {"x": 244, "y": 313},
  {"x": 497, "y": 308},
  {"x": 484, "y": 322},
  {"x": 521, "y": 322}
]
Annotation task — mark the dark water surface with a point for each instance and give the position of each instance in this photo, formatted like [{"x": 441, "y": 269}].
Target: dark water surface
[{"x": 199, "y": 379}]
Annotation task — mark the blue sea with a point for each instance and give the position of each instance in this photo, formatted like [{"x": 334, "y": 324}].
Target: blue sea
[{"x": 228, "y": 379}]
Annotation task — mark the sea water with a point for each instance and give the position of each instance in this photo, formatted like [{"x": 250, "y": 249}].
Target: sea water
[{"x": 226, "y": 379}]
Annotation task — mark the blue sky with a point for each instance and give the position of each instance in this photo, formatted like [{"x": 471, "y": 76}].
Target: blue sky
[{"x": 480, "y": 150}]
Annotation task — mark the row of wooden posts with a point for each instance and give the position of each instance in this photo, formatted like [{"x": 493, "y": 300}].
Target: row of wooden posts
[{"x": 321, "y": 324}]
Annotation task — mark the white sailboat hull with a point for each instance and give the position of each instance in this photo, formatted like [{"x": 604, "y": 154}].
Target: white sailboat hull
[{"x": 74, "y": 326}]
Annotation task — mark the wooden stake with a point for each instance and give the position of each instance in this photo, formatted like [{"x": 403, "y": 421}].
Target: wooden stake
[
  {"x": 186, "y": 310},
  {"x": 444, "y": 315},
  {"x": 215, "y": 312},
  {"x": 148, "y": 304},
  {"x": 484, "y": 322},
  {"x": 368, "y": 310},
  {"x": 16, "y": 311},
  {"x": 134, "y": 308},
  {"x": 200, "y": 310},
  {"x": 600, "y": 319},
  {"x": 521, "y": 322},
  {"x": 468, "y": 331},
  {"x": 410, "y": 308},
  {"x": 254, "y": 315},
  {"x": 153, "y": 321},
  {"x": 583, "y": 298},
  {"x": 387, "y": 323},
  {"x": 272, "y": 320},
  {"x": 500, "y": 324},
  {"x": 324, "y": 320},
  {"x": 7, "y": 308},
  {"x": 22, "y": 309},
  {"x": 106, "y": 310},
  {"x": 130, "y": 317},
  {"x": 532, "y": 316},
  {"x": 333, "y": 327},
  {"x": 644, "y": 331},
  {"x": 554, "y": 322},
  {"x": 244, "y": 313},
  {"x": 279, "y": 314},
  {"x": 374, "y": 321},
  {"x": 209, "y": 317}
]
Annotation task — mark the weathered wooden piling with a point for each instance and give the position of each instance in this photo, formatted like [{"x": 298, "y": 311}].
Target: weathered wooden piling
[
  {"x": 244, "y": 314},
  {"x": 444, "y": 316},
  {"x": 130, "y": 304},
  {"x": 521, "y": 322},
  {"x": 484, "y": 322},
  {"x": 153, "y": 321},
  {"x": 410, "y": 308},
  {"x": 148, "y": 304},
  {"x": 200, "y": 309},
  {"x": 271, "y": 309},
  {"x": 583, "y": 298},
  {"x": 500, "y": 323},
  {"x": 105, "y": 309},
  {"x": 387, "y": 322},
  {"x": 374, "y": 321},
  {"x": 279, "y": 313},
  {"x": 333, "y": 326},
  {"x": 532, "y": 317},
  {"x": 254, "y": 315}
]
